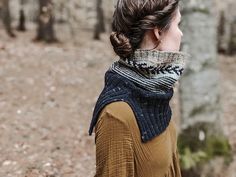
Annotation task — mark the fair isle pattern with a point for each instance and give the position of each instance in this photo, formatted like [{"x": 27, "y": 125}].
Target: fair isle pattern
[
  {"x": 154, "y": 70},
  {"x": 158, "y": 85}
]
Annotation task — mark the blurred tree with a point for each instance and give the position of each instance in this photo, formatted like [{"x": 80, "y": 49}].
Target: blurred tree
[
  {"x": 45, "y": 31},
  {"x": 201, "y": 111},
  {"x": 221, "y": 32},
  {"x": 232, "y": 42},
  {"x": 100, "y": 24},
  {"x": 226, "y": 29},
  {"x": 6, "y": 17},
  {"x": 21, "y": 25}
]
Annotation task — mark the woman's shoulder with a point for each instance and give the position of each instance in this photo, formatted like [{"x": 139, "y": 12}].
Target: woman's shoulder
[
  {"x": 115, "y": 117},
  {"x": 118, "y": 110}
]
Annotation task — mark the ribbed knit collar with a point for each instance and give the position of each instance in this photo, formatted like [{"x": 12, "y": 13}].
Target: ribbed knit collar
[
  {"x": 145, "y": 82},
  {"x": 158, "y": 56},
  {"x": 149, "y": 61},
  {"x": 152, "y": 69}
]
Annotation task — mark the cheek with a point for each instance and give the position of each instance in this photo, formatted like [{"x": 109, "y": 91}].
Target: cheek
[
  {"x": 175, "y": 28},
  {"x": 174, "y": 34},
  {"x": 180, "y": 32},
  {"x": 177, "y": 33},
  {"x": 172, "y": 39},
  {"x": 175, "y": 37}
]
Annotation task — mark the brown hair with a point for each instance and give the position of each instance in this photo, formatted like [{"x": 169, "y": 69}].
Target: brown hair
[{"x": 132, "y": 18}]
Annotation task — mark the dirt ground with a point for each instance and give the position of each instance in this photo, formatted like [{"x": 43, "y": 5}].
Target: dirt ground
[{"x": 47, "y": 94}]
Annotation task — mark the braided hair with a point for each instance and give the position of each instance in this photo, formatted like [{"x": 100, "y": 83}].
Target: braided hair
[{"x": 132, "y": 18}]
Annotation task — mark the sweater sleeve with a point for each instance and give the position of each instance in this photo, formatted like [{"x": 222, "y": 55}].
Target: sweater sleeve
[{"x": 114, "y": 148}]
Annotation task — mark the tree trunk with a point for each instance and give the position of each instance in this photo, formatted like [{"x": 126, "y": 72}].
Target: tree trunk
[
  {"x": 200, "y": 83},
  {"x": 221, "y": 32},
  {"x": 21, "y": 25},
  {"x": 45, "y": 31},
  {"x": 226, "y": 31},
  {"x": 232, "y": 42},
  {"x": 100, "y": 25},
  {"x": 6, "y": 17},
  {"x": 201, "y": 110}
]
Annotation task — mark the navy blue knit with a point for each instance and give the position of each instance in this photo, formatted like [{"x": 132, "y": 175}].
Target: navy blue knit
[{"x": 152, "y": 110}]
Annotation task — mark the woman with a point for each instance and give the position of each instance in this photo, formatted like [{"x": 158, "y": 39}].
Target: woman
[{"x": 134, "y": 133}]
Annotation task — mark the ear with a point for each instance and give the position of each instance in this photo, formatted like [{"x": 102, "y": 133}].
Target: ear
[{"x": 157, "y": 33}]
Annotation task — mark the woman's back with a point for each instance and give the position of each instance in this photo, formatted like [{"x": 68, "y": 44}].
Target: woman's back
[
  {"x": 120, "y": 151},
  {"x": 135, "y": 132}
]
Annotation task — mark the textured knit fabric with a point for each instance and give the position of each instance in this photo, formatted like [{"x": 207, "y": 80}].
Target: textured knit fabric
[
  {"x": 151, "y": 109},
  {"x": 145, "y": 82},
  {"x": 158, "y": 70},
  {"x": 121, "y": 153}
]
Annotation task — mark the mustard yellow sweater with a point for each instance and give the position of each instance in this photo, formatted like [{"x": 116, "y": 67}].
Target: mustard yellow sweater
[{"x": 120, "y": 152}]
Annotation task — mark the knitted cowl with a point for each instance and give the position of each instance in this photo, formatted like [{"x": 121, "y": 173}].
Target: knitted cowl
[{"x": 145, "y": 81}]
